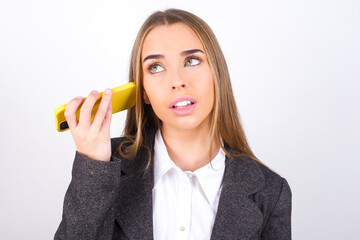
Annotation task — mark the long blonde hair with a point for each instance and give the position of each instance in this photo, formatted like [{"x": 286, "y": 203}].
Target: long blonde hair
[{"x": 225, "y": 122}]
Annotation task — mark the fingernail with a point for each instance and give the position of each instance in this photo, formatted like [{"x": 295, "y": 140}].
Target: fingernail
[
  {"x": 108, "y": 91},
  {"x": 94, "y": 92}
]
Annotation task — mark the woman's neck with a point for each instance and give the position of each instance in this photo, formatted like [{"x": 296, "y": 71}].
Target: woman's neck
[{"x": 189, "y": 149}]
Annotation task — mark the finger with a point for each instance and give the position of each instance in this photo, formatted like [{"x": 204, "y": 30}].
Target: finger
[
  {"x": 86, "y": 109},
  {"x": 70, "y": 112},
  {"x": 102, "y": 109},
  {"x": 107, "y": 121}
]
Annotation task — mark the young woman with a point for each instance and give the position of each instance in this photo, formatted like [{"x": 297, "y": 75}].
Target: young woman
[{"x": 183, "y": 169}]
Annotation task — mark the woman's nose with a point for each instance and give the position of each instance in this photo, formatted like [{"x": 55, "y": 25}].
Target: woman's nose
[
  {"x": 177, "y": 85},
  {"x": 177, "y": 80}
]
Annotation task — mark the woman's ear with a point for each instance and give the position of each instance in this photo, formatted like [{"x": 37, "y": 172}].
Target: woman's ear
[{"x": 146, "y": 99}]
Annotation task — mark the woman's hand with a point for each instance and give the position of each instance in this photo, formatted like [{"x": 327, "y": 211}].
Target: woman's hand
[{"x": 91, "y": 138}]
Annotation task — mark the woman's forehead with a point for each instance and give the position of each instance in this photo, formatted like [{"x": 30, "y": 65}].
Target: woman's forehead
[{"x": 173, "y": 38}]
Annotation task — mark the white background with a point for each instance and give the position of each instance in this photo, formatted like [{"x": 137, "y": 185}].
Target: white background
[{"x": 295, "y": 74}]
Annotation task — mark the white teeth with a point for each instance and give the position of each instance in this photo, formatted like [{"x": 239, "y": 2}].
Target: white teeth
[{"x": 182, "y": 104}]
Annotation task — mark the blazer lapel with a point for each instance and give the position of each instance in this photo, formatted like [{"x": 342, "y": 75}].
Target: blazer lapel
[
  {"x": 238, "y": 217},
  {"x": 134, "y": 211}
]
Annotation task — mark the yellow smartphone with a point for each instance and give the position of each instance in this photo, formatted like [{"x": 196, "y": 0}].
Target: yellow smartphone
[{"x": 123, "y": 97}]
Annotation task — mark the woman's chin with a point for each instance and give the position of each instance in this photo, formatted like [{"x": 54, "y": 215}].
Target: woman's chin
[{"x": 186, "y": 124}]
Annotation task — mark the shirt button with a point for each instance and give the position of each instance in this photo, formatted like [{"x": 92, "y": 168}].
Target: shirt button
[{"x": 182, "y": 229}]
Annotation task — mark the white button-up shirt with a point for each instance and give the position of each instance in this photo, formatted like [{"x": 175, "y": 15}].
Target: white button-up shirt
[{"x": 184, "y": 203}]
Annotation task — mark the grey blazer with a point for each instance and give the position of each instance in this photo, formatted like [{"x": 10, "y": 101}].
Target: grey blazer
[{"x": 111, "y": 200}]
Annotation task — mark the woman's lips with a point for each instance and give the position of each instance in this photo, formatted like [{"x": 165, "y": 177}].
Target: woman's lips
[{"x": 183, "y": 105}]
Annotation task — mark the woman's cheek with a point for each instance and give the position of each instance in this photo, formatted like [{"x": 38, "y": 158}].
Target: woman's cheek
[{"x": 157, "y": 103}]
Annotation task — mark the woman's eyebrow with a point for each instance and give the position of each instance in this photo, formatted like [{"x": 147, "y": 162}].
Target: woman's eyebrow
[
  {"x": 191, "y": 51},
  {"x": 183, "y": 53},
  {"x": 154, "y": 56}
]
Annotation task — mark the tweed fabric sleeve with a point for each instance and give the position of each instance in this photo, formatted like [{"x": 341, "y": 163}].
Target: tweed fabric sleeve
[
  {"x": 278, "y": 226},
  {"x": 87, "y": 210}
]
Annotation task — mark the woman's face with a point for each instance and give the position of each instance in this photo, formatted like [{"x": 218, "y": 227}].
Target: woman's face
[{"x": 177, "y": 78}]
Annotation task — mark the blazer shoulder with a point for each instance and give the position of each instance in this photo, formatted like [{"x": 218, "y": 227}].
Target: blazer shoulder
[
  {"x": 269, "y": 174},
  {"x": 274, "y": 194},
  {"x": 274, "y": 201},
  {"x": 266, "y": 178},
  {"x": 274, "y": 182}
]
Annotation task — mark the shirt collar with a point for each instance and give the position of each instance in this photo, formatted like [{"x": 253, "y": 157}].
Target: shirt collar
[{"x": 209, "y": 176}]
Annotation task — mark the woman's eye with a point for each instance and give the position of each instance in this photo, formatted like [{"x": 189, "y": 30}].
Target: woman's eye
[
  {"x": 156, "y": 68},
  {"x": 192, "y": 62}
]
